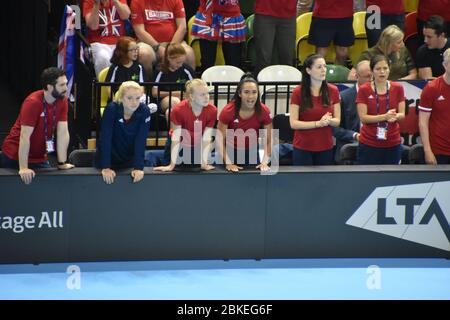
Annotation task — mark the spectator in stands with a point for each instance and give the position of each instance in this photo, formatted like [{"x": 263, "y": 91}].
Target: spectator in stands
[
  {"x": 219, "y": 20},
  {"x": 434, "y": 117},
  {"x": 315, "y": 108},
  {"x": 429, "y": 56},
  {"x": 172, "y": 69},
  {"x": 156, "y": 24},
  {"x": 42, "y": 118},
  {"x": 274, "y": 29},
  {"x": 392, "y": 12},
  {"x": 105, "y": 20},
  {"x": 192, "y": 123},
  {"x": 428, "y": 8},
  {"x": 332, "y": 21},
  {"x": 124, "y": 65},
  {"x": 381, "y": 104},
  {"x": 125, "y": 125},
  {"x": 391, "y": 45},
  {"x": 239, "y": 124},
  {"x": 348, "y": 131}
]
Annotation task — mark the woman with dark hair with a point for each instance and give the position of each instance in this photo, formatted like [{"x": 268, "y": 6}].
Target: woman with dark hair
[
  {"x": 381, "y": 104},
  {"x": 124, "y": 65},
  {"x": 315, "y": 108},
  {"x": 239, "y": 124}
]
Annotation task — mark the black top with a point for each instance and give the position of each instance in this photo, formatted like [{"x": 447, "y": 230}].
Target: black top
[
  {"x": 119, "y": 73},
  {"x": 182, "y": 75},
  {"x": 432, "y": 58}
]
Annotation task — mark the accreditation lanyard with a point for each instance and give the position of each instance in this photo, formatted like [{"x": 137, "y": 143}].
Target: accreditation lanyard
[
  {"x": 378, "y": 102},
  {"x": 45, "y": 120}
]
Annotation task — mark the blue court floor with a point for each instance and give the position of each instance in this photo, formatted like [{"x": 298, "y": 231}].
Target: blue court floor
[{"x": 236, "y": 279}]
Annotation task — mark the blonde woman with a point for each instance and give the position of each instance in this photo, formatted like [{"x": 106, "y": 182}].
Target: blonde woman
[
  {"x": 391, "y": 45},
  {"x": 192, "y": 122},
  {"x": 125, "y": 125}
]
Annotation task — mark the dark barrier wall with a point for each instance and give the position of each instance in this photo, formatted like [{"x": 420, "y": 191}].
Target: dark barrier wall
[{"x": 74, "y": 216}]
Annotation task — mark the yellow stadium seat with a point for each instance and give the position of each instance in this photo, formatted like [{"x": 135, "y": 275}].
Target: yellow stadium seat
[
  {"x": 359, "y": 24},
  {"x": 355, "y": 51},
  {"x": 105, "y": 91},
  {"x": 410, "y": 5},
  {"x": 195, "y": 44}
]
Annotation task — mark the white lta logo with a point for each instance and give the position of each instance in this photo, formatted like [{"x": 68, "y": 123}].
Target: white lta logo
[{"x": 415, "y": 212}]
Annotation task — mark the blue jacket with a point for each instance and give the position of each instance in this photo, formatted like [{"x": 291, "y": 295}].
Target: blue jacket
[
  {"x": 123, "y": 144},
  {"x": 350, "y": 121}
]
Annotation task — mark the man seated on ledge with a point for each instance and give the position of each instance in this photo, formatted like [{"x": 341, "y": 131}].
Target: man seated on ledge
[{"x": 32, "y": 138}]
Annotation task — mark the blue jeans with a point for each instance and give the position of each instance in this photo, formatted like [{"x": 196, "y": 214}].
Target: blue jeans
[
  {"x": 312, "y": 158},
  {"x": 14, "y": 164},
  {"x": 372, "y": 155}
]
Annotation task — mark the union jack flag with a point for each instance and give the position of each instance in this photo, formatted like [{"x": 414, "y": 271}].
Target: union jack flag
[
  {"x": 109, "y": 22},
  {"x": 66, "y": 46}
]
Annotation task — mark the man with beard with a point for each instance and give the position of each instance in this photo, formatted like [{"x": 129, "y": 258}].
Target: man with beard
[{"x": 42, "y": 116}]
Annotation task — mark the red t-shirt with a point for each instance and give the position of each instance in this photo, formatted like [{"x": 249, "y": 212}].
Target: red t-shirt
[
  {"x": 276, "y": 8},
  {"x": 333, "y": 9},
  {"x": 388, "y": 6},
  {"x": 255, "y": 122},
  {"x": 226, "y": 8},
  {"x": 428, "y": 8},
  {"x": 368, "y": 132},
  {"x": 158, "y": 16},
  {"x": 32, "y": 115},
  {"x": 183, "y": 116},
  {"x": 435, "y": 98},
  {"x": 317, "y": 139},
  {"x": 110, "y": 27}
]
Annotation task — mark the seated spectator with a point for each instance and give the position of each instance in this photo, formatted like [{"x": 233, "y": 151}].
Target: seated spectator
[
  {"x": 434, "y": 117},
  {"x": 219, "y": 20},
  {"x": 332, "y": 21},
  {"x": 428, "y": 8},
  {"x": 192, "y": 123},
  {"x": 429, "y": 56},
  {"x": 391, "y": 45},
  {"x": 125, "y": 125},
  {"x": 381, "y": 104},
  {"x": 105, "y": 20},
  {"x": 392, "y": 12},
  {"x": 348, "y": 131},
  {"x": 172, "y": 69},
  {"x": 124, "y": 65},
  {"x": 239, "y": 124},
  {"x": 315, "y": 109},
  {"x": 156, "y": 24}
]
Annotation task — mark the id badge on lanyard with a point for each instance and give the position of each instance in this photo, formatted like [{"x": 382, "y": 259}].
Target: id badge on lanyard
[
  {"x": 382, "y": 128},
  {"x": 381, "y": 133},
  {"x": 49, "y": 143}
]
